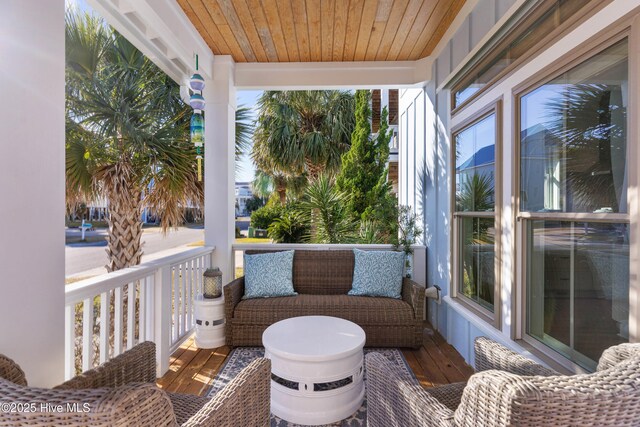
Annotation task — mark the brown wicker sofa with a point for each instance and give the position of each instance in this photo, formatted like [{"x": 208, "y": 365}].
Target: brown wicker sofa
[{"x": 322, "y": 279}]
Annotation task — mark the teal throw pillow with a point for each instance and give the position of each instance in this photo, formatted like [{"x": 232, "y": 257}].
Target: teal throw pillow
[
  {"x": 377, "y": 274},
  {"x": 268, "y": 275}
]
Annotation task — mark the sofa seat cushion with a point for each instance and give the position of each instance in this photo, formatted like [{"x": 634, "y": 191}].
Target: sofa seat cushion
[{"x": 360, "y": 310}]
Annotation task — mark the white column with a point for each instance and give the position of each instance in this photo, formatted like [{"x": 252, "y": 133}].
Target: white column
[
  {"x": 31, "y": 178},
  {"x": 219, "y": 170}
]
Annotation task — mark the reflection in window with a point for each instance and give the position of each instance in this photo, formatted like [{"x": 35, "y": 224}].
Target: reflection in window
[
  {"x": 574, "y": 138},
  {"x": 477, "y": 252},
  {"x": 475, "y": 194},
  {"x": 475, "y": 166},
  {"x": 578, "y": 287}
]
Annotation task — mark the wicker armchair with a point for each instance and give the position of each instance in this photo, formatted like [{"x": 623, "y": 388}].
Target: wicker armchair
[
  {"x": 509, "y": 390},
  {"x": 123, "y": 392}
]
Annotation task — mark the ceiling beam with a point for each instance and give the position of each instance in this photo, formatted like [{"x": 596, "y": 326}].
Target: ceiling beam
[
  {"x": 160, "y": 30},
  {"x": 333, "y": 75}
]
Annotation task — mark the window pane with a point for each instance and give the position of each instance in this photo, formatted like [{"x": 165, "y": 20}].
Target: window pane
[
  {"x": 477, "y": 259},
  {"x": 578, "y": 287},
  {"x": 574, "y": 138},
  {"x": 475, "y": 166}
]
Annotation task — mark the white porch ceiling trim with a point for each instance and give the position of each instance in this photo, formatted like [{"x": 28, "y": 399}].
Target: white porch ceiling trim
[
  {"x": 161, "y": 30},
  {"x": 333, "y": 75}
]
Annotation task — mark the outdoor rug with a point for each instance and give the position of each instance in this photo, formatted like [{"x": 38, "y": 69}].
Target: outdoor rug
[{"x": 240, "y": 357}]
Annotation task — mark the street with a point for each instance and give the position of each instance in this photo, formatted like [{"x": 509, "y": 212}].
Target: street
[{"x": 89, "y": 259}]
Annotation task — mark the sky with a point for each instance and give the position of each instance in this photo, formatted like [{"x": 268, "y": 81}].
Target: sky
[
  {"x": 246, "y": 98},
  {"x": 78, "y": 4}
]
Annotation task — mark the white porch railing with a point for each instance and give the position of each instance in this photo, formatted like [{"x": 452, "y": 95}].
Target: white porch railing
[{"x": 162, "y": 292}]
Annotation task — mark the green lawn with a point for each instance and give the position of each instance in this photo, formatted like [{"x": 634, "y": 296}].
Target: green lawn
[
  {"x": 253, "y": 240},
  {"x": 239, "y": 240}
]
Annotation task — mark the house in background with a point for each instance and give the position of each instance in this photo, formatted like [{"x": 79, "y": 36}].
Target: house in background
[
  {"x": 389, "y": 98},
  {"x": 243, "y": 194}
]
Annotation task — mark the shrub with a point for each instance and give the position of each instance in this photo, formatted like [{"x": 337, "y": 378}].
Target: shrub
[
  {"x": 290, "y": 227},
  {"x": 263, "y": 217},
  {"x": 254, "y": 204}
]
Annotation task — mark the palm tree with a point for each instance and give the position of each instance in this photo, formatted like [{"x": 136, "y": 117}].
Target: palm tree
[
  {"x": 244, "y": 132},
  {"x": 302, "y": 133},
  {"x": 476, "y": 194},
  {"x": 589, "y": 120},
  {"x": 264, "y": 184},
  {"x": 127, "y": 136}
]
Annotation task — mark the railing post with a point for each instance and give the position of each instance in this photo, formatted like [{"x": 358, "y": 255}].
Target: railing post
[
  {"x": 70, "y": 339},
  {"x": 162, "y": 311}
]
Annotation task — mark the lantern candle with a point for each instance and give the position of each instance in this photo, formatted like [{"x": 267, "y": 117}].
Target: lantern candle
[{"x": 212, "y": 283}]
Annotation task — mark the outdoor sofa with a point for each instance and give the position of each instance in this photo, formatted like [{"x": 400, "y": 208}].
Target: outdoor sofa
[{"x": 322, "y": 279}]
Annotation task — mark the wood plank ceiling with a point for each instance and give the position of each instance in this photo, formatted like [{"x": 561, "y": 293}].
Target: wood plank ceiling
[{"x": 321, "y": 30}]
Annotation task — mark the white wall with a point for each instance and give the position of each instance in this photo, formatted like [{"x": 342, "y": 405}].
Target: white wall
[
  {"x": 432, "y": 149},
  {"x": 32, "y": 183}
]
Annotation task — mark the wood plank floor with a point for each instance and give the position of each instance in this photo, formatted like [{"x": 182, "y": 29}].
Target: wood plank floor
[{"x": 192, "y": 369}]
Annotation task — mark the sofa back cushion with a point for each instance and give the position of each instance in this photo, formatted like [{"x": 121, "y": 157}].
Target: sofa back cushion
[
  {"x": 378, "y": 274},
  {"x": 320, "y": 272}
]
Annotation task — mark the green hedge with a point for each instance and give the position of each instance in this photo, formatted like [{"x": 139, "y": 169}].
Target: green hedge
[{"x": 263, "y": 217}]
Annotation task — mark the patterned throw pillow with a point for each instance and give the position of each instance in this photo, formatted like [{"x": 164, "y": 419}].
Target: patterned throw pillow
[
  {"x": 378, "y": 274},
  {"x": 268, "y": 275}
]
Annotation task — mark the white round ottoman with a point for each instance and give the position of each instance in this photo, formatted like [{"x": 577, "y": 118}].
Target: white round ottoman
[
  {"x": 209, "y": 320},
  {"x": 316, "y": 368}
]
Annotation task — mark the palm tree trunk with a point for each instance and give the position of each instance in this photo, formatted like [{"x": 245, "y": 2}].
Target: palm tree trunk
[
  {"x": 281, "y": 188},
  {"x": 125, "y": 227},
  {"x": 313, "y": 170}
]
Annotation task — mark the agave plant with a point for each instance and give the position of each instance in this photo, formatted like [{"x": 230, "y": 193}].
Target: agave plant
[
  {"x": 325, "y": 208},
  {"x": 290, "y": 227}
]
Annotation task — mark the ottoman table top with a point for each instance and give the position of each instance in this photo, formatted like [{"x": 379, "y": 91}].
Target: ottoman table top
[{"x": 313, "y": 338}]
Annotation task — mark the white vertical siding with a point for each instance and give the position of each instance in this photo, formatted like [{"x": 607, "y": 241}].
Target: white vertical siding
[
  {"x": 411, "y": 155},
  {"x": 419, "y": 170}
]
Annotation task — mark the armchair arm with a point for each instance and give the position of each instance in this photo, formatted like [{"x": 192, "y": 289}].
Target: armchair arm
[
  {"x": 233, "y": 292},
  {"x": 393, "y": 400},
  {"x": 245, "y": 401},
  {"x": 11, "y": 371},
  {"x": 488, "y": 399},
  {"x": 491, "y": 355},
  {"x": 413, "y": 293},
  {"x": 137, "y": 365},
  {"x": 130, "y": 405},
  {"x": 616, "y": 354}
]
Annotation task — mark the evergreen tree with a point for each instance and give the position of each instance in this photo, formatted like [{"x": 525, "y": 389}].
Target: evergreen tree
[{"x": 364, "y": 173}]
